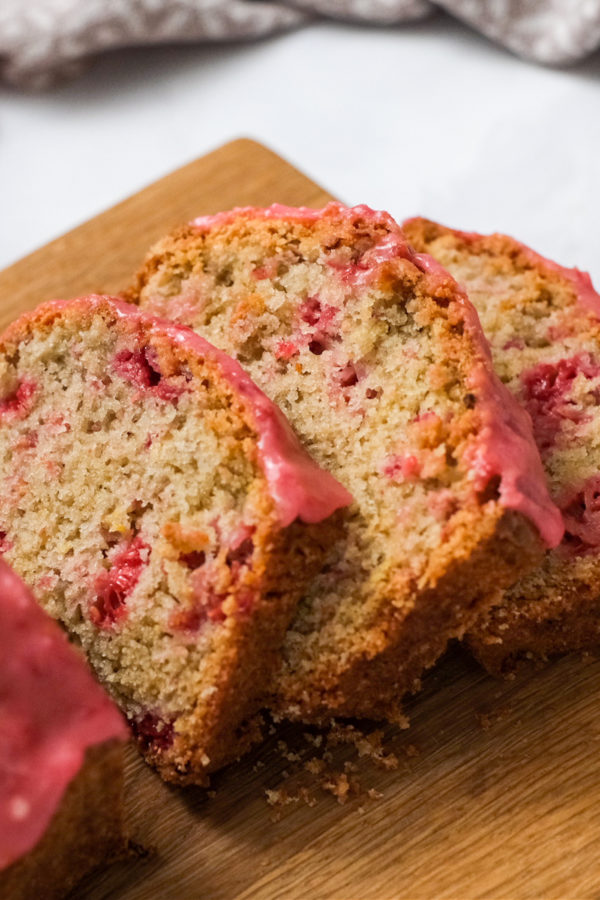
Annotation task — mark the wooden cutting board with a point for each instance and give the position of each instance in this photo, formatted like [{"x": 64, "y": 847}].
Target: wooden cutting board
[{"x": 496, "y": 792}]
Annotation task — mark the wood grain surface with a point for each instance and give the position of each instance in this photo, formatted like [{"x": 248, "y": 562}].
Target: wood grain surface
[{"x": 496, "y": 793}]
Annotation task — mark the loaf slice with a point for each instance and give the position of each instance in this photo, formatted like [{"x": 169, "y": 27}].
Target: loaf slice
[
  {"x": 543, "y": 324},
  {"x": 61, "y": 766},
  {"x": 379, "y": 363},
  {"x": 160, "y": 506}
]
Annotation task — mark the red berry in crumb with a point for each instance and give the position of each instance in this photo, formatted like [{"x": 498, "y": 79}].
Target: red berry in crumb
[
  {"x": 581, "y": 515},
  {"x": 141, "y": 368},
  {"x": 152, "y": 732},
  {"x": 19, "y": 404},
  {"x": 114, "y": 586},
  {"x": 547, "y": 390}
]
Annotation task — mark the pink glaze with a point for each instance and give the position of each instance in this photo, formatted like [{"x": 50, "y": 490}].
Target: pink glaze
[
  {"x": 300, "y": 214},
  {"x": 298, "y": 486},
  {"x": 392, "y": 245},
  {"x": 51, "y": 712},
  {"x": 505, "y": 447},
  {"x": 586, "y": 294}
]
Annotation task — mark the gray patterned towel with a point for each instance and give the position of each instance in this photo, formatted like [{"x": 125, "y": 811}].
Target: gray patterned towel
[{"x": 41, "y": 40}]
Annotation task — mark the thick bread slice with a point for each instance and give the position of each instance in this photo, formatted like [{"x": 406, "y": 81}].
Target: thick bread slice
[
  {"x": 379, "y": 363},
  {"x": 157, "y": 502},
  {"x": 61, "y": 756},
  {"x": 543, "y": 324}
]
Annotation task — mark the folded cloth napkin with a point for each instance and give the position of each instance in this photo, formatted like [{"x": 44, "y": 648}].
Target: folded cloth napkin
[{"x": 42, "y": 40}]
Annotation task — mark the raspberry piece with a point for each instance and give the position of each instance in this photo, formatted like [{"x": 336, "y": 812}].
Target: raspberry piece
[
  {"x": 547, "y": 388},
  {"x": 141, "y": 368},
  {"x": 20, "y": 403},
  {"x": 152, "y": 732},
  {"x": 286, "y": 349},
  {"x": 581, "y": 515},
  {"x": 310, "y": 311},
  {"x": 405, "y": 467},
  {"x": 116, "y": 584},
  {"x": 193, "y": 560},
  {"x": 316, "y": 347}
]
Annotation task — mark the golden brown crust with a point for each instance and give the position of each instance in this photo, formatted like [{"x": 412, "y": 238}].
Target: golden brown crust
[
  {"x": 247, "y": 658},
  {"x": 260, "y": 598},
  {"x": 502, "y": 255},
  {"x": 212, "y": 277},
  {"x": 87, "y": 831},
  {"x": 555, "y": 609},
  {"x": 415, "y": 634},
  {"x": 550, "y": 613}
]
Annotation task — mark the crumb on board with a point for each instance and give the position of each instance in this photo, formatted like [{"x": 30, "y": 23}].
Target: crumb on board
[
  {"x": 315, "y": 766},
  {"x": 334, "y": 762},
  {"x": 341, "y": 787},
  {"x": 411, "y": 750},
  {"x": 315, "y": 739},
  {"x": 487, "y": 719},
  {"x": 367, "y": 745},
  {"x": 288, "y": 754}
]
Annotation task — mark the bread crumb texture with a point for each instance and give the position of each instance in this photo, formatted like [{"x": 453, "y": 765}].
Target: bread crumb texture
[
  {"x": 369, "y": 358},
  {"x": 542, "y": 324},
  {"x": 136, "y": 507}
]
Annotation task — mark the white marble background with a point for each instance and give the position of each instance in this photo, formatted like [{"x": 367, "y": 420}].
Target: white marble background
[{"x": 424, "y": 118}]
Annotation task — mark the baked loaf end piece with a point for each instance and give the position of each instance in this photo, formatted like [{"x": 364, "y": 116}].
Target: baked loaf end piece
[
  {"x": 378, "y": 361},
  {"x": 543, "y": 324},
  {"x": 157, "y": 501},
  {"x": 61, "y": 767}
]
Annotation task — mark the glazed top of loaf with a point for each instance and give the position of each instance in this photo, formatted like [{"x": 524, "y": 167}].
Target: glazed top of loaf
[
  {"x": 585, "y": 293},
  {"x": 299, "y": 487},
  {"x": 542, "y": 320},
  {"x": 505, "y": 446},
  {"x": 51, "y": 711}
]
